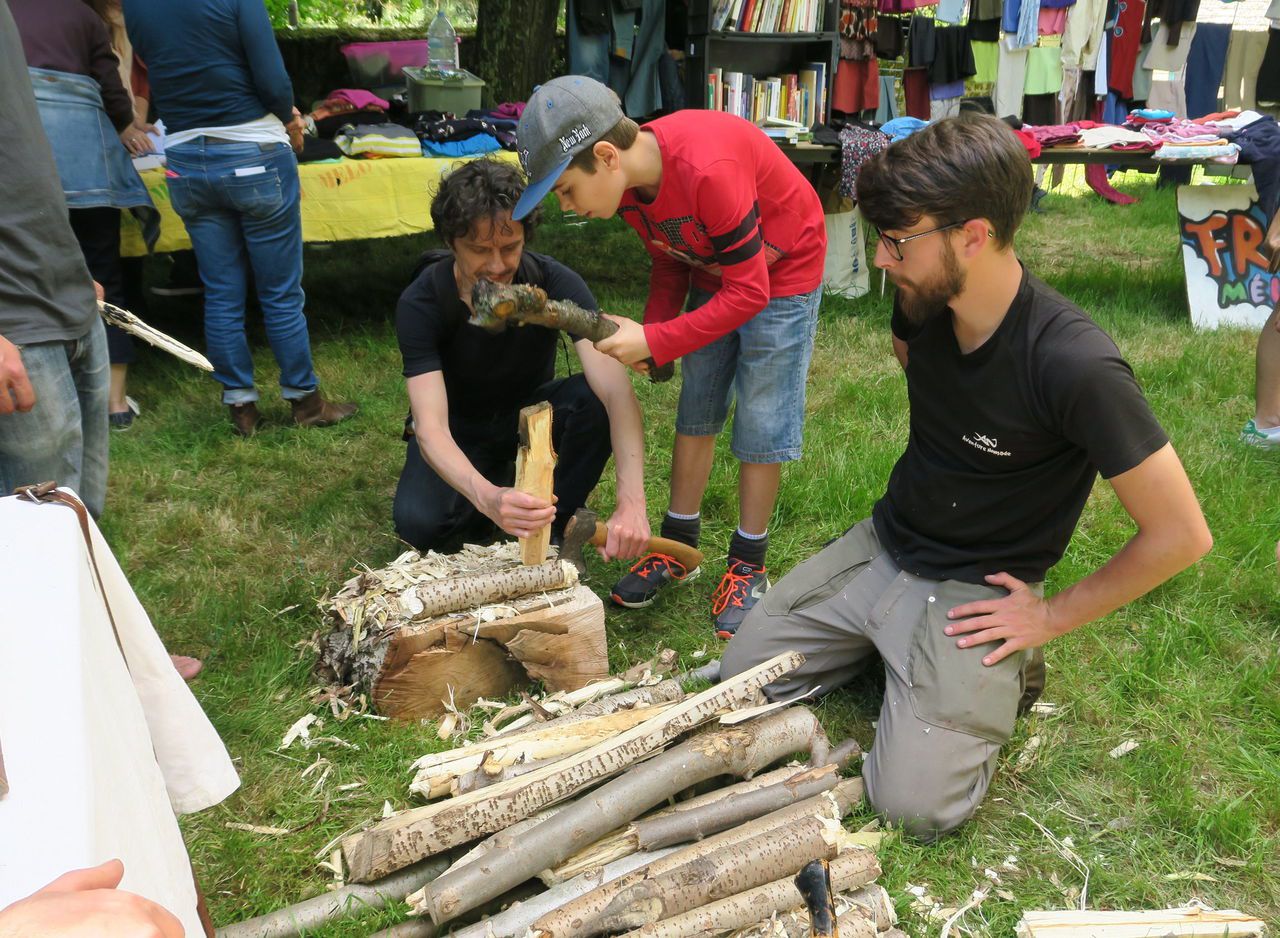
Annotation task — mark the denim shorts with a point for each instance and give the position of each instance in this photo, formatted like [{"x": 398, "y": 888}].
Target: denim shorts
[{"x": 763, "y": 364}]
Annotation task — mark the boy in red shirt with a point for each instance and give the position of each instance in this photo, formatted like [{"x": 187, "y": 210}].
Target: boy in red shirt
[{"x": 737, "y": 239}]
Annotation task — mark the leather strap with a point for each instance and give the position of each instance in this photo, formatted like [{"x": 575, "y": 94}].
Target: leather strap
[{"x": 47, "y": 493}]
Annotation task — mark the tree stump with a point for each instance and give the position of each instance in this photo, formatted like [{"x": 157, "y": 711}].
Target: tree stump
[{"x": 414, "y": 669}]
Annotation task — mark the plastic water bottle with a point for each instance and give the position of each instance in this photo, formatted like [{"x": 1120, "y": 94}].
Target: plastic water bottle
[{"x": 442, "y": 44}]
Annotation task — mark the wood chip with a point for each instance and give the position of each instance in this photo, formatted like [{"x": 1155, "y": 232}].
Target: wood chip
[
  {"x": 257, "y": 828},
  {"x": 1124, "y": 748},
  {"x": 301, "y": 729}
]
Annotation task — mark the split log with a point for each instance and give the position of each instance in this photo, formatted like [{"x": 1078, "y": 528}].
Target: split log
[
  {"x": 396, "y": 842},
  {"x": 535, "y": 471},
  {"x": 735, "y": 750},
  {"x": 603, "y": 705},
  {"x": 875, "y": 905},
  {"x": 349, "y": 900},
  {"x": 565, "y": 921},
  {"x": 484, "y": 777},
  {"x": 851, "y": 869},
  {"x": 727, "y": 872},
  {"x": 1193, "y": 921},
  {"x": 515, "y": 921},
  {"x": 439, "y": 597},
  {"x": 709, "y": 813},
  {"x": 437, "y": 772},
  {"x": 422, "y": 683}
]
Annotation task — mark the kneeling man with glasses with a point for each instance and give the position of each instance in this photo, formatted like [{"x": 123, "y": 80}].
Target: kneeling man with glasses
[{"x": 1018, "y": 400}]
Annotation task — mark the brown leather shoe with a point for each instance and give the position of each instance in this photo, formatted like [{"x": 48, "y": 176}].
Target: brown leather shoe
[
  {"x": 315, "y": 411},
  {"x": 245, "y": 418}
]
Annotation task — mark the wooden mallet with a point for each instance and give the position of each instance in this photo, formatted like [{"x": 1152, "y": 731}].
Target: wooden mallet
[{"x": 584, "y": 529}]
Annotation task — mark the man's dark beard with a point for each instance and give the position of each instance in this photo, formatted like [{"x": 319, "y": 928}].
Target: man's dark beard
[{"x": 921, "y": 303}]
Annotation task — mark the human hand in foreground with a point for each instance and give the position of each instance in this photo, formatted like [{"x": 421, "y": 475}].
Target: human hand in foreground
[
  {"x": 16, "y": 392},
  {"x": 628, "y": 533},
  {"x": 628, "y": 345},
  {"x": 518, "y": 513},
  {"x": 1022, "y": 620},
  {"x": 86, "y": 904}
]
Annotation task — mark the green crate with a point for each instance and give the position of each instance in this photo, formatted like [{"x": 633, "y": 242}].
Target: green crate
[{"x": 431, "y": 90}]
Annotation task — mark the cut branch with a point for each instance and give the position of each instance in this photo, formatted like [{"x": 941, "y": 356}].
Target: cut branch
[
  {"x": 738, "y": 750},
  {"x": 726, "y": 872},
  {"x": 349, "y": 900},
  {"x": 849, "y": 870},
  {"x": 707, "y": 814},
  {"x": 687, "y": 824},
  {"x": 412, "y": 835},
  {"x": 603, "y": 705},
  {"x": 438, "y": 771},
  {"x": 466, "y": 592},
  {"x": 568, "y": 919},
  {"x": 515, "y": 921}
]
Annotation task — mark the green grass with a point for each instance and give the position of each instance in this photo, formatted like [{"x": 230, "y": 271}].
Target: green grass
[{"x": 230, "y": 543}]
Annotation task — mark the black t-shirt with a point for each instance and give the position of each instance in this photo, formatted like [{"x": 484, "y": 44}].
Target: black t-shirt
[
  {"x": 1006, "y": 441},
  {"x": 484, "y": 374}
]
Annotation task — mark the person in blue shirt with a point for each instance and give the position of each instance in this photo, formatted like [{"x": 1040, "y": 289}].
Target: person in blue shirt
[{"x": 220, "y": 86}]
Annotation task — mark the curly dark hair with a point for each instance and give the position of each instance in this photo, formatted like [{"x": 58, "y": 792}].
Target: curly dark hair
[{"x": 479, "y": 189}]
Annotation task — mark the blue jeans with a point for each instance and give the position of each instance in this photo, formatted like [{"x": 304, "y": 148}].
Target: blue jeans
[
  {"x": 764, "y": 364},
  {"x": 64, "y": 437},
  {"x": 240, "y": 203}
]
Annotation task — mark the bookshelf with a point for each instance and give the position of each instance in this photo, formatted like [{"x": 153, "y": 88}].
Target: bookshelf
[{"x": 766, "y": 48}]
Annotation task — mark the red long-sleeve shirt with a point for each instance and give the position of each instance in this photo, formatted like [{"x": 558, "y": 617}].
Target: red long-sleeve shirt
[{"x": 733, "y": 213}]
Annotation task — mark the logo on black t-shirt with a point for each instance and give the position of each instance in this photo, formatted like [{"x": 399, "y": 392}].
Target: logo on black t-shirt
[{"x": 988, "y": 444}]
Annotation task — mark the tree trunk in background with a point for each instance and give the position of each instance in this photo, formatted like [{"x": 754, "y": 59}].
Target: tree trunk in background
[{"x": 515, "y": 47}]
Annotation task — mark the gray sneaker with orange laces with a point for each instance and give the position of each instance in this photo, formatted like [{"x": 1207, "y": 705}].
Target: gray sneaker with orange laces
[{"x": 741, "y": 587}]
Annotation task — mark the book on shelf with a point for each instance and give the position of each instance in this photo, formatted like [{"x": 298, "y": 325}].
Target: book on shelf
[
  {"x": 790, "y": 103},
  {"x": 767, "y": 16}
]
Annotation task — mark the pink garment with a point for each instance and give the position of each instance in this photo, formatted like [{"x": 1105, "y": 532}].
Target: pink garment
[
  {"x": 358, "y": 97},
  {"x": 1095, "y": 174},
  {"x": 509, "y": 109},
  {"x": 1053, "y": 22},
  {"x": 1178, "y": 130}
]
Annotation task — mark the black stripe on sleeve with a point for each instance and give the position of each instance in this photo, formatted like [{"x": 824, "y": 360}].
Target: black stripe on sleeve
[
  {"x": 742, "y": 252},
  {"x": 750, "y": 222}
]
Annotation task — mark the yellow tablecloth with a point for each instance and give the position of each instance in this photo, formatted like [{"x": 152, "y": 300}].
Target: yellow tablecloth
[{"x": 343, "y": 201}]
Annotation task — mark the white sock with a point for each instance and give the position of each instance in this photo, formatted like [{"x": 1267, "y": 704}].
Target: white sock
[{"x": 693, "y": 517}]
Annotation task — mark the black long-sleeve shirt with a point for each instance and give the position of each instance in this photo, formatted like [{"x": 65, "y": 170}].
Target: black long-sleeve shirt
[{"x": 67, "y": 36}]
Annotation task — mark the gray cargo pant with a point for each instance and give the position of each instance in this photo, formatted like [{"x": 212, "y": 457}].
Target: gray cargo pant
[{"x": 944, "y": 716}]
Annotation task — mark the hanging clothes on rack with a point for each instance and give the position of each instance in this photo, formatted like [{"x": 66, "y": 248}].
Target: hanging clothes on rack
[
  {"x": 1245, "y": 53},
  {"x": 1126, "y": 42},
  {"x": 1205, "y": 64}
]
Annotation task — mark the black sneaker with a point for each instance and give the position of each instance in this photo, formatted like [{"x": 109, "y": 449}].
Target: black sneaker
[
  {"x": 649, "y": 574},
  {"x": 741, "y": 587}
]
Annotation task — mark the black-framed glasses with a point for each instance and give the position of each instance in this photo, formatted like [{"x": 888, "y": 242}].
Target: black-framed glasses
[{"x": 894, "y": 245}]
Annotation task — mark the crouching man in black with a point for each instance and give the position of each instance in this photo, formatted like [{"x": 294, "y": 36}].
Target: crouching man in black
[{"x": 466, "y": 386}]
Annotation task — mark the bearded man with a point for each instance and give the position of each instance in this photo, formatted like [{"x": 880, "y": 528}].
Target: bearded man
[{"x": 1017, "y": 402}]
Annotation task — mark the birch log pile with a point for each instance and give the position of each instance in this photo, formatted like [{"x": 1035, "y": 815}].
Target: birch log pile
[
  {"x": 738, "y": 750},
  {"x": 434, "y": 632},
  {"x": 421, "y": 832}
]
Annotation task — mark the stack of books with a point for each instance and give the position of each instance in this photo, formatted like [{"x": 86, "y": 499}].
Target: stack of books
[
  {"x": 794, "y": 101},
  {"x": 767, "y": 16}
]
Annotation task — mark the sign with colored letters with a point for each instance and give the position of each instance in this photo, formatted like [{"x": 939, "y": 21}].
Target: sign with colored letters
[{"x": 1222, "y": 229}]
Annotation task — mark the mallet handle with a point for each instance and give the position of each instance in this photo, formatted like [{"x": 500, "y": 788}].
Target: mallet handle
[{"x": 688, "y": 557}]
